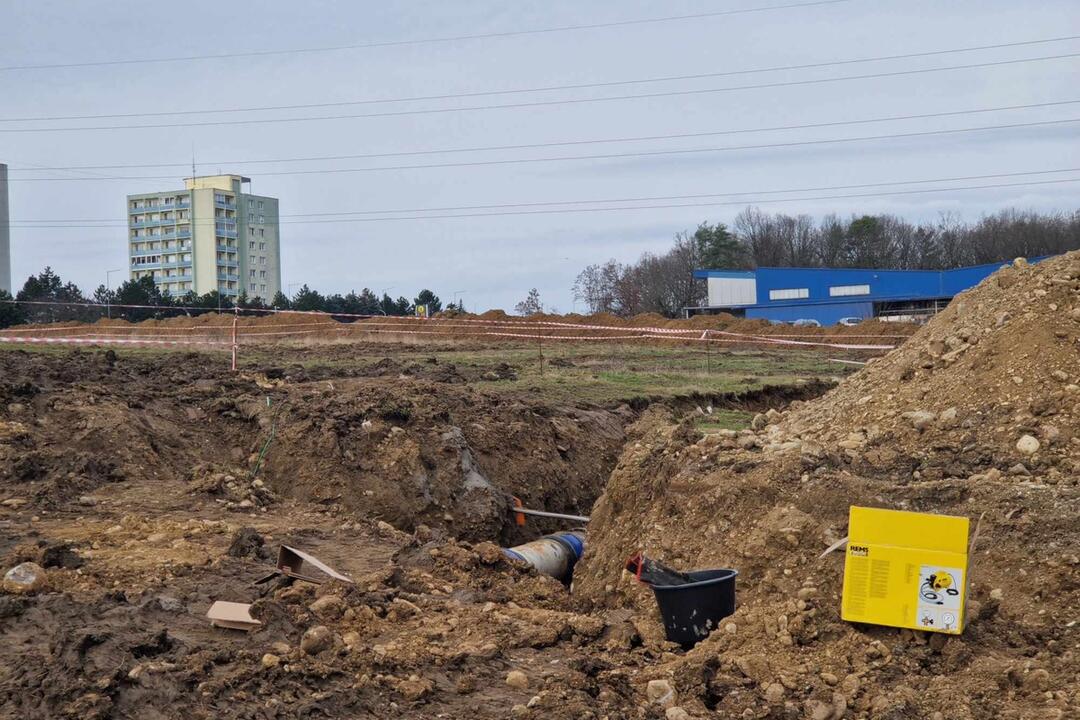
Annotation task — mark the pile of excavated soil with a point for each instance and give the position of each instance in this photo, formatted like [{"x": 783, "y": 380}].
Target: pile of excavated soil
[
  {"x": 976, "y": 415},
  {"x": 1000, "y": 363},
  {"x": 304, "y": 327}
]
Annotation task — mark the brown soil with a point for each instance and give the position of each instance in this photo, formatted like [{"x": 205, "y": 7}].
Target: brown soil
[
  {"x": 416, "y": 447},
  {"x": 315, "y": 328},
  {"x": 131, "y": 478},
  {"x": 932, "y": 427},
  {"x": 151, "y": 485}
]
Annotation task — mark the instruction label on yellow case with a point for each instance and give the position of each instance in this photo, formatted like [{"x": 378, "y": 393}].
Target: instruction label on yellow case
[{"x": 906, "y": 569}]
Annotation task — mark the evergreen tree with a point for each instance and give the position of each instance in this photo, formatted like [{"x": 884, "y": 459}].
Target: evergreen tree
[
  {"x": 308, "y": 300},
  {"x": 143, "y": 291},
  {"x": 426, "y": 297},
  {"x": 280, "y": 302},
  {"x": 367, "y": 303},
  {"x": 10, "y": 314},
  {"x": 718, "y": 247},
  {"x": 47, "y": 287}
]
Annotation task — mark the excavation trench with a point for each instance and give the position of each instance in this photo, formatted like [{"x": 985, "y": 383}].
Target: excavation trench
[
  {"x": 146, "y": 469},
  {"x": 449, "y": 458},
  {"x": 419, "y": 449}
]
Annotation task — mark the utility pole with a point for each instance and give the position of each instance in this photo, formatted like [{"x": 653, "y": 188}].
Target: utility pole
[
  {"x": 382, "y": 294},
  {"x": 108, "y": 291}
]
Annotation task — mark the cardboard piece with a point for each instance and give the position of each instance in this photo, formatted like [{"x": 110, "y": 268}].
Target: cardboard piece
[
  {"x": 298, "y": 564},
  {"x": 906, "y": 569},
  {"x": 232, "y": 615}
]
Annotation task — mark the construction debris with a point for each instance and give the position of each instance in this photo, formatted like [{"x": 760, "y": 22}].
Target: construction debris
[
  {"x": 297, "y": 564},
  {"x": 233, "y": 615}
]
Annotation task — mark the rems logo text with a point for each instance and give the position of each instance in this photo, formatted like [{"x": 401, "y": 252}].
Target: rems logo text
[{"x": 859, "y": 550}]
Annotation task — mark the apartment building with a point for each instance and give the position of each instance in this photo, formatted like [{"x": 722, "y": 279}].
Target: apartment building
[
  {"x": 5, "y": 234},
  {"x": 210, "y": 236}
]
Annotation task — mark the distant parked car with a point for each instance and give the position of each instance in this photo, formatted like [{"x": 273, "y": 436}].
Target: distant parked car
[
  {"x": 849, "y": 321},
  {"x": 806, "y": 322}
]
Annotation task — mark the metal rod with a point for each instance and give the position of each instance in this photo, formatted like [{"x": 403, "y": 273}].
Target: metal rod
[
  {"x": 544, "y": 513},
  {"x": 236, "y": 316}
]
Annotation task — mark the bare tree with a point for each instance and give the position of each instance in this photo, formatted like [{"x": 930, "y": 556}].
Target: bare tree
[
  {"x": 663, "y": 283},
  {"x": 531, "y": 305}
]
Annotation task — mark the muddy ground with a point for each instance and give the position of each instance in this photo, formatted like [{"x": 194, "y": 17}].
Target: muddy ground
[{"x": 130, "y": 475}]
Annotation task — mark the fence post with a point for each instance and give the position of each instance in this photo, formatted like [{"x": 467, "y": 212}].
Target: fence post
[
  {"x": 236, "y": 316},
  {"x": 708, "y": 354}
]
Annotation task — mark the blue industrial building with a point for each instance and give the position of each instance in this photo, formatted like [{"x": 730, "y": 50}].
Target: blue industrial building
[{"x": 829, "y": 294}]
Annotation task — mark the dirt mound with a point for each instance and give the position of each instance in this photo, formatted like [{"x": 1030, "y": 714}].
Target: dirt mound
[
  {"x": 1000, "y": 363},
  {"x": 975, "y": 415}
]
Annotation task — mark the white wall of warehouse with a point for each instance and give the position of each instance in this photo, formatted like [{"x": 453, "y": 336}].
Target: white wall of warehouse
[{"x": 732, "y": 291}]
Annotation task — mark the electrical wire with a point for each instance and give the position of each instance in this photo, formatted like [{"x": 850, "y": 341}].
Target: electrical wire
[
  {"x": 546, "y": 103},
  {"x": 548, "y": 88},
  {"x": 756, "y": 201},
  {"x": 601, "y": 156},
  {"x": 426, "y": 41},
  {"x": 122, "y": 222},
  {"x": 566, "y": 143}
]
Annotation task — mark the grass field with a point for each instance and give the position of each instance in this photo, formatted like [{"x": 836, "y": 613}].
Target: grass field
[{"x": 571, "y": 372}]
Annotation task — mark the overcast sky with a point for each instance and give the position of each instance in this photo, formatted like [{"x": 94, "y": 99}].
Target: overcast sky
[{"x": 495, "y": 260}]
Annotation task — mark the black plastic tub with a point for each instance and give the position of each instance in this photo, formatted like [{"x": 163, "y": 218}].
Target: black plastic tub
[{"x": 693, "y": 610}]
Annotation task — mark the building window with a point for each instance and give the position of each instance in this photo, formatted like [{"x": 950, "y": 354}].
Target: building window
[
  {"x": 262, "y": 289},
  {"x": 262, "y": 260},
  {"x": 252, "y": 286},
  {"x": 251, "y": 245},
  {"x": 262, "y": 274},
  {"x": 251, "y": 273},
  {"x": 262, "y": 246},
  {"x": 844, "y": 290},
  {"x": 251, "y": 231},
  {"x": 260, "y": 205},
  {"x": 789, "y": 294},
  {"x": 262, "y": 232},
  {"x": 262, "y": 218}
]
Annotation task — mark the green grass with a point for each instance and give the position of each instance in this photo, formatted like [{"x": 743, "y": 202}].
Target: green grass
[
  {"x": 592, "y": 373},
  {"x": 621, "y": 373},
  {"x": 722, "y": 419}
]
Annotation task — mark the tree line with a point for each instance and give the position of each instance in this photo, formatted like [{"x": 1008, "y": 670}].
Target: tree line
[
  {"x": 45, "y": 297},
  {"x": 663, "y": 283}
]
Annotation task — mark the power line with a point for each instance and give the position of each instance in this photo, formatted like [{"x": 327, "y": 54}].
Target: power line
[
  {"x": 546, "y": 103},
  {"x": 548, "y": 88},
  {"x": 122, "y": 222},
  {"x": 602, "y": 156},
  {"x": 756, "y": 201},
  {"x": 690, "y": 205},
  {"x": 427, "y": 41},
  {"x": 566, "y": 143}
]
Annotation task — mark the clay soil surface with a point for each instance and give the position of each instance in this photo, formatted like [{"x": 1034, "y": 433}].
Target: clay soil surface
[{"x": 149, "y": 484}]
